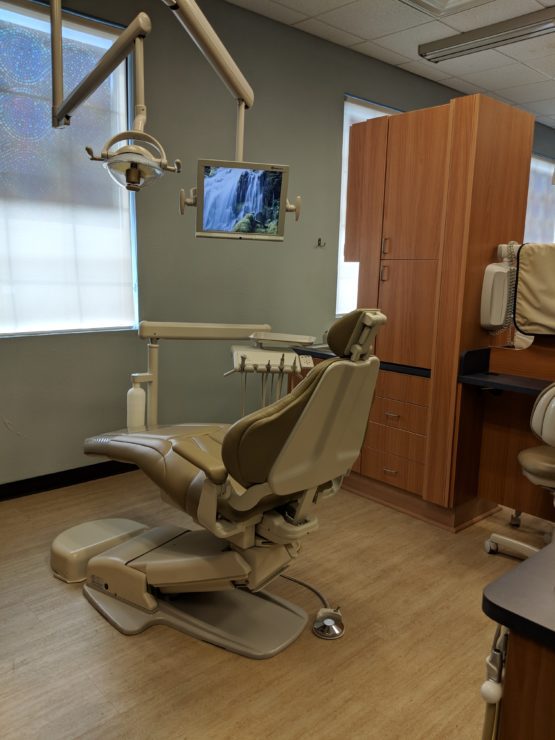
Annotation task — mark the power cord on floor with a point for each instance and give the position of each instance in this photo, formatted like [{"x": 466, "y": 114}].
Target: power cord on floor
[{"x": 315, "y": 591}]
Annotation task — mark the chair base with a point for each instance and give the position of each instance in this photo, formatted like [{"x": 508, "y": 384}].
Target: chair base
[
  {"x": 498, "y": 543},
  {"x": 255, "y": 625}
]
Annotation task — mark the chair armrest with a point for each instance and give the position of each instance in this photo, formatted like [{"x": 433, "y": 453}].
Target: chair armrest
[{"x": 212, "y": 466}]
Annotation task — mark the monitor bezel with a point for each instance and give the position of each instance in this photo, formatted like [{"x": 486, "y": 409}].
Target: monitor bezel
[{"x": 283, "y": 168}]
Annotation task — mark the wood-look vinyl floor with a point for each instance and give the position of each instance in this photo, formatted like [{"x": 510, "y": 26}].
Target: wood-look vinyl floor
[{"x": 409, "y": 665}]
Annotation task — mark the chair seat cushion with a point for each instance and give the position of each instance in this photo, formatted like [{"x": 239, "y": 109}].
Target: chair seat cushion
[
  {"x": 539, "y": 462},
  {"x": 174, "y": 457}
]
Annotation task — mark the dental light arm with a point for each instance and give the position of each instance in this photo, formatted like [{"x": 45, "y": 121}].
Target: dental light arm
[
  {"x": 199, "y": 29},
  {"x": 62, "y": 108}
]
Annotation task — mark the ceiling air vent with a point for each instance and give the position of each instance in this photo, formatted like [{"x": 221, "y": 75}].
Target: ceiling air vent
[{"x": 440, "y": 8}]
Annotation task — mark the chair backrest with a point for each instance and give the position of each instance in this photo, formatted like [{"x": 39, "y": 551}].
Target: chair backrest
[
  {"x": 542, "y": 420},
  {"x": 315, "y": 433}
]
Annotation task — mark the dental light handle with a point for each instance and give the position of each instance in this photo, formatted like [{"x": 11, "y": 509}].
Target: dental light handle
[{"x": 136, "y": 408}]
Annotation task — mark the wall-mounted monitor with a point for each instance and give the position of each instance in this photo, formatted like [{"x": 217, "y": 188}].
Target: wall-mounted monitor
[{"x": 241, "y": 200}]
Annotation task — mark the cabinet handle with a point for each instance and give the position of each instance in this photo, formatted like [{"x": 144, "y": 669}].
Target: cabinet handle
[
  {"x": 384, "y": 273},
  {"x": 389, "y": 471},
  {"x": 385, "y": 245},
  {"x": 392, "y": 415}
]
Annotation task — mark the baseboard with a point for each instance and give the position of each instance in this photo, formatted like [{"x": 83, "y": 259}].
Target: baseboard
[
  {"x": 452, "y": 520},
  {"x": 62, "y": 479}
]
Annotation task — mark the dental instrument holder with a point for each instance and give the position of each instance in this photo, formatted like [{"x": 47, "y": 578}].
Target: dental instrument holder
[{"x": 270, "y": 363}]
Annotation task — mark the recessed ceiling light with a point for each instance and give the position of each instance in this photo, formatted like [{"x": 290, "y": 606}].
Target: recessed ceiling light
[{"x": 440, "y": 8}]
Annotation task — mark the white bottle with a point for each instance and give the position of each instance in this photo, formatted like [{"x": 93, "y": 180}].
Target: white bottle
[{"x": 136, "y": 408}]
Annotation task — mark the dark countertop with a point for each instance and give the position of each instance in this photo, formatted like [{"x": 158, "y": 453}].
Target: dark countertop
[
  {"x": 500, "y": 382},
  {"x": 524, "y": 598},
  {"x": 323, "y": 352},
  {"x": 474, "y": 370}
]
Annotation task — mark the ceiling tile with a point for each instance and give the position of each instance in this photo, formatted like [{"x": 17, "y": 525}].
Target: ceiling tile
[
  {"x": 542, "y": 46},
  {"x": 317, "y": 28},
  {"x": 489, "y": 59},
  {"x": 483, "y": 15},
  {"x": 461, "y": 85},
  {"x": 370, "y": 49},
  {"x": 544, "y": 64},
  {"x": 313, "y": 7},
  {"x": 270, "y": 10},
  {"x": 424, "y": 69},
  {"x": 497, "y": 96},
  {"x": 531, "y": 93},
  {"x": 543, "y": 107},
  {"x": 511, "y": 75},
  {"x": 373, "y": 18},
  {"x": 406, "y": 42}
]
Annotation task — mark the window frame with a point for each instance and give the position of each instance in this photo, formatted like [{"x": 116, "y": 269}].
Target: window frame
[{"x": 341, "y": 269}]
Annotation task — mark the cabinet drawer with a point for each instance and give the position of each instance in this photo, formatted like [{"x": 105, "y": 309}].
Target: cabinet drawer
[
  {"x": 389, "y": 439},
  {"x": 392, "y": 469},
  {"x": 407, "y": 416},
  {"x": 402, "y": 387}
]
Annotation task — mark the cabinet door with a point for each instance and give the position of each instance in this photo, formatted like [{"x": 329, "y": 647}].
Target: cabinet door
[
  {"x": 415, "y": 184},
  {"x": 365, "y": 188},
  {"x": 407, "y": 296}
]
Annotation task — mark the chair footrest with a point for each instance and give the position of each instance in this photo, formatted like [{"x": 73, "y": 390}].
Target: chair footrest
[{"x": 254, "y": 625}]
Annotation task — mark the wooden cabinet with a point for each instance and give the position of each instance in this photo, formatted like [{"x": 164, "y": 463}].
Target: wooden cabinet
[
  {"x": 431, "y": 195},
  {"x": 395, "y": 203}
]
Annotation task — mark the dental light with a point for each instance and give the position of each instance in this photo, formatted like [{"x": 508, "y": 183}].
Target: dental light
[{"x": 132, "y": 165}]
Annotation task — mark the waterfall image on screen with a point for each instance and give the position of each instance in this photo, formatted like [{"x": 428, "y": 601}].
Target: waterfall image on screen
[{"x": 238, "y": 200}]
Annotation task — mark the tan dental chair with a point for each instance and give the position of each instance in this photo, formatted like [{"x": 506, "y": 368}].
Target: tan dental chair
[
  {"x": 253, "y": 487},
  {"x": 538, "y": 465}
]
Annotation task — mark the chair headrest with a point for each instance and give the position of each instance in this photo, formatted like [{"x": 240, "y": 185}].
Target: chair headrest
[{"x": 353, "y": 334}]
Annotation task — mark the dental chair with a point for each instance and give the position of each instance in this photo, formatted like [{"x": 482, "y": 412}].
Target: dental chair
[
  {"x": 253, "y": 487},
  {"x": 538, "y": 465}
]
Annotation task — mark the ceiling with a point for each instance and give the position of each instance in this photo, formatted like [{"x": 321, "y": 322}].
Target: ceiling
[{"x": 521, "y": 74}]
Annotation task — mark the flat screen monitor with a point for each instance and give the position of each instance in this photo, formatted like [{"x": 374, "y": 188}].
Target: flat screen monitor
[{"x": 241, "y": 200}]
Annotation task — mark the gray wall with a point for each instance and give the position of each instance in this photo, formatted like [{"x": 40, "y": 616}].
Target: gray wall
[{"x": 56, "y": 390}]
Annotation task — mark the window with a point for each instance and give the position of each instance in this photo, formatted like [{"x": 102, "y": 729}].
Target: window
[
  {"x": 66, "y": 246},
  {"x": 355, "y": 111},
  {"x": 540, "y": 212}
]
